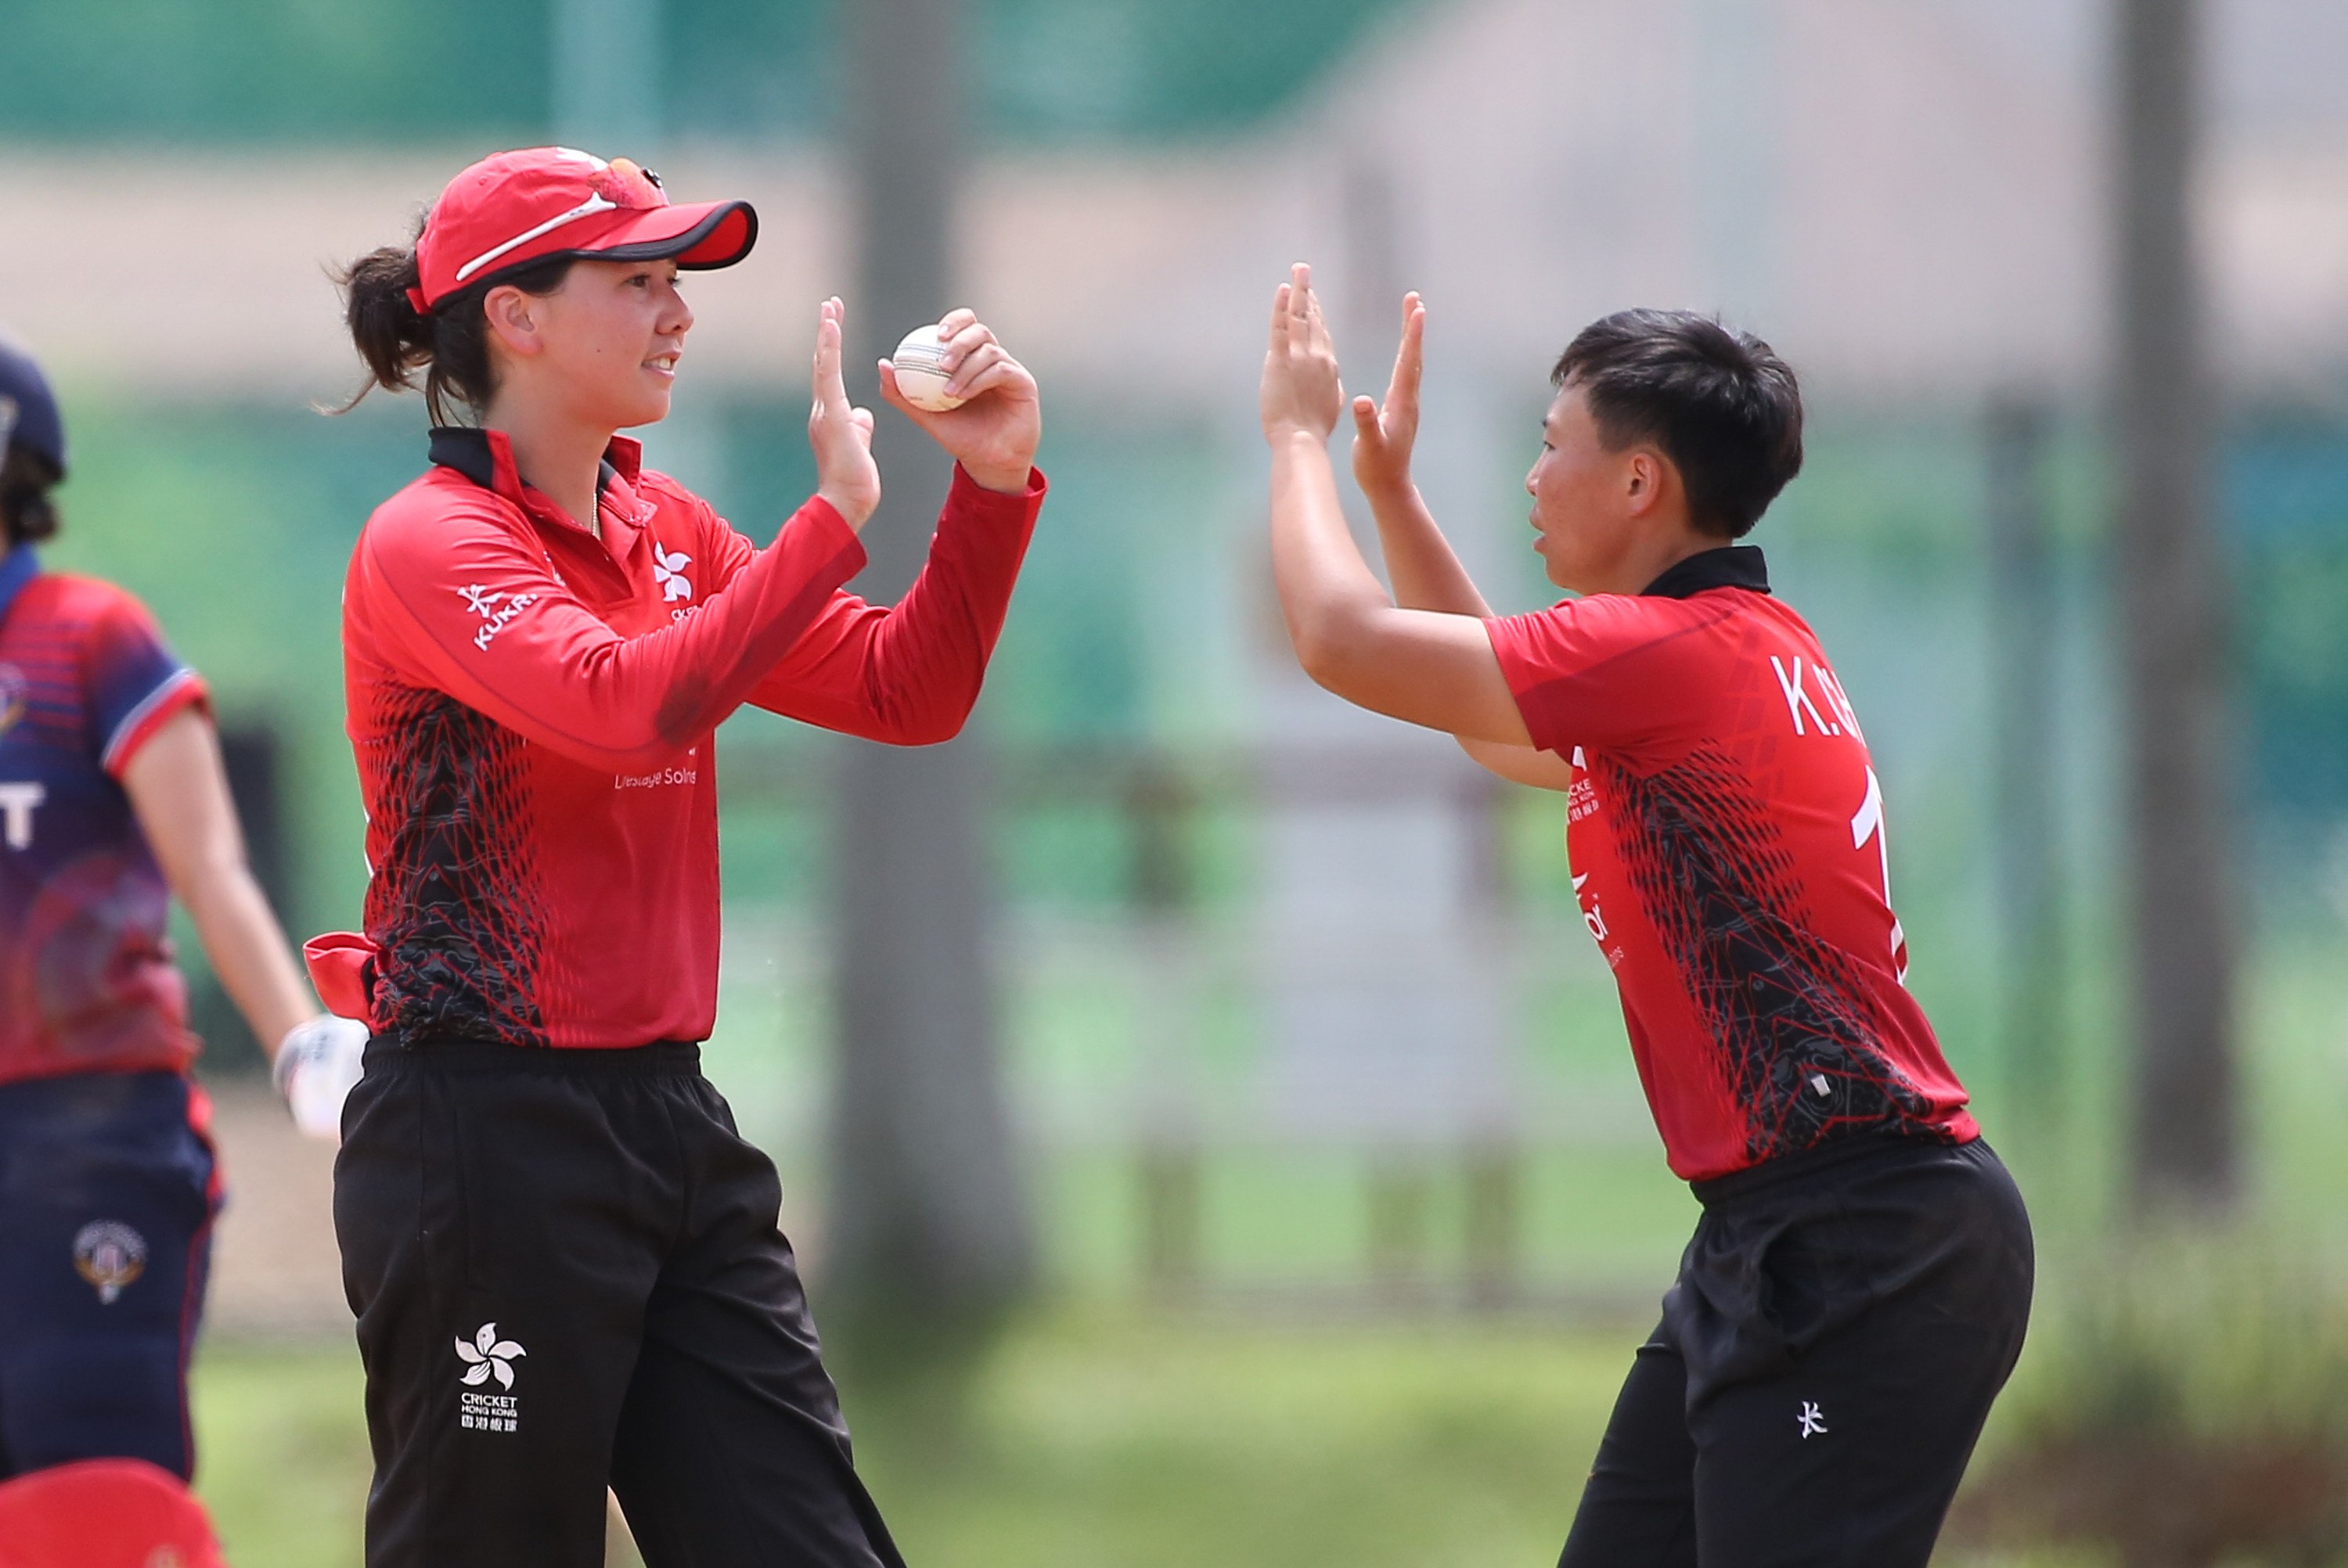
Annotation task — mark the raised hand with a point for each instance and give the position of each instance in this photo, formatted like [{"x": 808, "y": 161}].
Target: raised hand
[
  {"x": 1300, "y": 391},
  {"x": 841, "y": 433},
  {"x": 995, "y": 433},
  {"x": 1385, "y": 435}
]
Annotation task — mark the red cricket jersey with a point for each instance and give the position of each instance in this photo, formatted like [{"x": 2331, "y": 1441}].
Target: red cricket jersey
[
  {"x": 532, "y": 710},
  {"x": 1725, "y": 830},
  {"x": 86, "y": 979}
]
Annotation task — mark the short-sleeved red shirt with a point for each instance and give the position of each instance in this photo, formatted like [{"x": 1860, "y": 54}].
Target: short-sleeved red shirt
[
  {"x": 532, "y": 708},
  {"x": 86, "y": 979},
  {"x": 1725, "y": 829}
]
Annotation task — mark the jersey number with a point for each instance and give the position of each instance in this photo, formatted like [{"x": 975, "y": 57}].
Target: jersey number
[{"x": 1867, "y": 825}]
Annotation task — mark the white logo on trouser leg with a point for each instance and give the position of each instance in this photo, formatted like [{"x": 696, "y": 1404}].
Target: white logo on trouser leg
[
  {"x": 487, "y": 1357},
  {"x": 1814, "y": 1420}
]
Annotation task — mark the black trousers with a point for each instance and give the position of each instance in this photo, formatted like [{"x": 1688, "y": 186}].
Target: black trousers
[
  {"x": 567, "y": 1273},
  {"x": 1842, "y": 1323}
]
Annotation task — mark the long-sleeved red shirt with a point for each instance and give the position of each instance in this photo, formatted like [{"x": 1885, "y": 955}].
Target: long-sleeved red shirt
[{"x": 532, "y": 710}]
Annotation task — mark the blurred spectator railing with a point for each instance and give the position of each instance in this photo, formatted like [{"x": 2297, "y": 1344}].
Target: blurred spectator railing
[{"x": 1314, "y": 952}]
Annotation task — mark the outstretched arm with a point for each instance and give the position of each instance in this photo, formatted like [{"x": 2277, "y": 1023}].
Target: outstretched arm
[
  {"x": 1427, "y": 573},
  {"x": 910, "y": 674},
  {"x": 483, "y": 615},
  {"x": 1426, "y": 666}
]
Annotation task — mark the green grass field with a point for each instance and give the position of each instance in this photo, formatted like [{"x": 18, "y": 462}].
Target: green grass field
[
  {"x": 1111, "y": 1441},
  {"x": 1107, "y": 1433},
  {"x": 1111, "y": 1434}
]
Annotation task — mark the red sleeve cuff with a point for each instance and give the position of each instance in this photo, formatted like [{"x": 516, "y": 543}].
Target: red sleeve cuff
[
  {"x": 825, "y": 518},
  {"x": 967, "y": 495},
  {"x": 184, "y": 689}
]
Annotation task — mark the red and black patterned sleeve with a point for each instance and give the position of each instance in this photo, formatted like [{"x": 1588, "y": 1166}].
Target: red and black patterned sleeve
[
  {"x": 480, "y": 613},
  {"x": 910, "y": 673}
]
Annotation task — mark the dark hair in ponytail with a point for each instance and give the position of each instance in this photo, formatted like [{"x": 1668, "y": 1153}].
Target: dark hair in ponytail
[
  {"x": 25, "y": 510},
  {"x": 450, "y": 345}
]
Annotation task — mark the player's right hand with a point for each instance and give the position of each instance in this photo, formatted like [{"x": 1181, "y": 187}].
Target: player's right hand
[
  {"x": 1385, "y": 435},
  {"x": 318, "y": 1064},
  {"x": 1302, "y": 393},
  {"x": 995, "y": 433},
  {"x": 841, "y": 433}
]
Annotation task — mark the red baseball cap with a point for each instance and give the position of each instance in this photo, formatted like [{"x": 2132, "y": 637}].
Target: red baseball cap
[
  {"x": 103, "y": 1513},
  {"x": 543, "y": 201}
]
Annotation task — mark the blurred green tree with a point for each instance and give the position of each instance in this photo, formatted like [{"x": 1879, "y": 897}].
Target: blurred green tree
[
  {"x": 929, "y": 1233},
  {"x": 2173, "y": 631},
  {"x": 323, "y": 73}
]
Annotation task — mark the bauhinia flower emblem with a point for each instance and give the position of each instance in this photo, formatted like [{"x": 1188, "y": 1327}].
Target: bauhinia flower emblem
[
  {"x": 488, "y": 1356},
  {"x": 668, "y": 570}
]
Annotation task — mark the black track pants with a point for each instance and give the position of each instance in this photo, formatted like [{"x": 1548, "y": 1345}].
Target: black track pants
[
  {"x": 1839, "y": 1330},
  {"x": 567, "y": 1272}
]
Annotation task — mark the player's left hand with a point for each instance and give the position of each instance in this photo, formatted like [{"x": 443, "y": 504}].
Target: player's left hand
[
  {"x": 317, "y": 1066},
  {"x": 995, "y": 433},
  {"x": 1302, "y": 393},
  {"x": 1384, "y": 433}
]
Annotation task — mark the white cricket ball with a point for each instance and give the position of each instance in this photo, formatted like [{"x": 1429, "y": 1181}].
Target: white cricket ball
[{"x": 920, "y": 365}]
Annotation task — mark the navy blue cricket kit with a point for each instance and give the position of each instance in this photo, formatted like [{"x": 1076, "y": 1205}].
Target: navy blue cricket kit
[
  {"x": 107, "y": 1183},
  {"x": 108, "y": 1190}
]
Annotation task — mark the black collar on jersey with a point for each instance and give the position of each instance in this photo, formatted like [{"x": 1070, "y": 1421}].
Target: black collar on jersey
[
  {"x": 1730, "y": 566},
  {"x": 466, "y": 449}
]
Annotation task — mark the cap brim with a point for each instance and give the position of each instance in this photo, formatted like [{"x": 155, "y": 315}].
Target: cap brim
[{"x": 700, "y": 235}]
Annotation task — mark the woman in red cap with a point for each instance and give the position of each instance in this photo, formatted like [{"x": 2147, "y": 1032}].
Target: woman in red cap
[{"x": 563, "y": 1258}]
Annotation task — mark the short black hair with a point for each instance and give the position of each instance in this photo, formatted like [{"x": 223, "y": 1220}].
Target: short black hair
[
  {"x": 1722, "y": 406},
  {"x": 26, "y": 514}
]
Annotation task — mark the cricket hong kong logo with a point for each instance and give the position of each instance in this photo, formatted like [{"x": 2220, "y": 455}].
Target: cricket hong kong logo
[
  {"x": 487, "y": 1356},
  {"x": 1814, "y": 1420},
  {"x": 110, "y": 1255}
]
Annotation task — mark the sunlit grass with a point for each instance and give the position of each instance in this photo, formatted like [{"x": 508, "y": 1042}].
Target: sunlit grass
[{"x": 1111, "y": 1439}]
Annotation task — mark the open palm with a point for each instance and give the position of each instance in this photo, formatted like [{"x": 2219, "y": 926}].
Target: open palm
[
  {"x": 840, "y": 433},
  {"x": 1384, "y": 433}
]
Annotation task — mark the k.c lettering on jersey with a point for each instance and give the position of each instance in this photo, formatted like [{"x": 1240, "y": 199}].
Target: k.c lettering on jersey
[
  {"x": 532, "y": 703},
  {"x": 86, "y": 979},
  {"x": 1726, "y": 832}
]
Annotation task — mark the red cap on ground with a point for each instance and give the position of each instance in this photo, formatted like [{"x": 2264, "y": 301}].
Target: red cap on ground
[
  {"x": 546, "y": 202},
  {"x": 103, "y": 1513}
]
